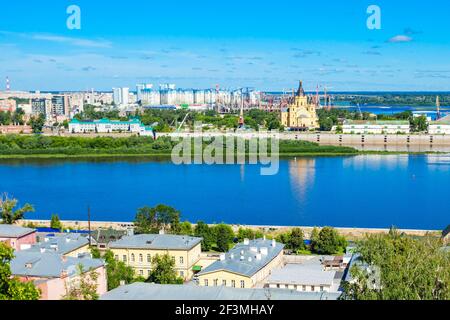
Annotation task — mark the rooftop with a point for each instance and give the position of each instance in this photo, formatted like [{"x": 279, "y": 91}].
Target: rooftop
[
  {"x": 247, "y": 259},
  {"x": 11, "y": 231},
  {"x": 148, "y": 291},
  {"x": 60, "y": 243},
  {"x": 302, "y": 274},
  {"x": 49, "y": 265},
  {"x": 376, "y": 122},
  {"x": 157, "y": 241}
]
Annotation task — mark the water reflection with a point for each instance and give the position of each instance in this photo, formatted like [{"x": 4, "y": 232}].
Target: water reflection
[
  {"x": 376, "y": 162},
  {"x": 302, "y": 172}
]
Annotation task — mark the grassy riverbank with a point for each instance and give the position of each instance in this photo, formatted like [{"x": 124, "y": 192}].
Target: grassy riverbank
[{"x": 43, "y": 147}]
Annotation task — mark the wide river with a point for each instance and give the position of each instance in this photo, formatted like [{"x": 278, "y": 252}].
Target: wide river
[{"x": 359, "y": 191}]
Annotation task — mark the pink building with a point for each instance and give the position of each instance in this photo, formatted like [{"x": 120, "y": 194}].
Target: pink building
[
  {"x": 53, "y": 273},
  {"x": 18, "y": 238}
]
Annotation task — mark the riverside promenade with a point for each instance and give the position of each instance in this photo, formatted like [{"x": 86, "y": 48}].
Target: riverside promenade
[
  {"x": 349, "y": 233},
  {"x": 363, "y": 142}
]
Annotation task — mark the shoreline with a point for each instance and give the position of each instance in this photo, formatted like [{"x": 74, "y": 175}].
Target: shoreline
[
  {"x": 168, "y": 155},
  {"x": 348, "y": 232}
]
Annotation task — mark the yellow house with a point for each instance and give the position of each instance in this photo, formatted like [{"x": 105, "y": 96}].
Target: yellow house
[
  {"x": 137, "y": 251},
  {"x": 244, "y": 266},
  {"x": 301, "y": 113}
]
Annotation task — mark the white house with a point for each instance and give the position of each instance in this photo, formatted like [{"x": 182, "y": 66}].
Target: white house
[
  {"x": 376, "y": 127},
  {"x": 109, "y": 126},
  {"x": 441, "y": 126}
]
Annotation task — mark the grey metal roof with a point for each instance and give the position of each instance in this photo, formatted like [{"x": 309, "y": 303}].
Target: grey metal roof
[
  {"x": 11, "y": 231},
  {"x": 49, "y": 265},
  {"x": 242, "y": 259},
  {"x": 156, "y": 241},
  {"x": 60, "y": 243},
  {"x": 148, "y": 291},
  {"x": 301, "y": 274}
]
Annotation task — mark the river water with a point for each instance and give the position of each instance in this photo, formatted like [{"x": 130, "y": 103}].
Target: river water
[{"x": 409, "y": 191}]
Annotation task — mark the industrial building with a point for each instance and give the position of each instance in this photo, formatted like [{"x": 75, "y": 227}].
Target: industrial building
[{"x": 376, "y": 127}]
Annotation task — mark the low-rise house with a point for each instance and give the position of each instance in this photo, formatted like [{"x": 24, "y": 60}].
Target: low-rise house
[
  {"x": 148, "y": 291},
  {"x": 376, "y": 127},
  {"x": 103, "y": 237},
  {"x": 441, "y": 126},
  {"x": 244, "y": 266},
  {"x": 310, "y": 276},
  {"x": 18, "y": 238},
  {"x": 69, "y": 245},
  {"x": 109, "y": 126},
  {"x": 54, "y": 274},
  {"x": 138, "y": 251}
]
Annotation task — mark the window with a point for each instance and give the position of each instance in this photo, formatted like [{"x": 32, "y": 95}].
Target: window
[
  {"x": 149, "y": 258},
  {"x": 304, "y": 288},
  {"x": 182, "y": 274},
  {"x": 141, "y": 272},
  {"x": 233, "y": 284},
  {"x": 206, "y": 282},
  {"x": 313, "y": 288},
  {"x": 116, "y": 257},
  {"x": 141, "y": 259},
  {"x": 124, "y": 258},
  {"x": 149, "y": 272},
  {"x": 215, "y": 282},
  {"x": 242, "y": 284},
  {"x": 173, "y": 259},
  {"x": 132, "y": 257},
  {"x": 181, "y": 260},
  {"x": 321, "y": 288},
  {"x": 224, "y": 283}
]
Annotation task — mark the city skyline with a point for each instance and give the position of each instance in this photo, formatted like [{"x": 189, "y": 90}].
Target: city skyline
[{"x": 201, "y": 44}]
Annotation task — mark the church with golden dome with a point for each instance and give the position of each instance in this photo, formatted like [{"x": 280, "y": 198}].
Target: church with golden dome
[{"x": 301, "y": 112}]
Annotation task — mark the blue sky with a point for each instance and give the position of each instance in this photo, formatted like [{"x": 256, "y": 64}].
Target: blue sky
[{"x": 268, "y": 45}]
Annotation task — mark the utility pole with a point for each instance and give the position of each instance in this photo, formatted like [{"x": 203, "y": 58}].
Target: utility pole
[{"x": 89, "y": 225}]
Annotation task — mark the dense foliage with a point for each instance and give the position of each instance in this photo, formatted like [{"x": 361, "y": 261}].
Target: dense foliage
[
  {"x": 12, "y": 288},
  {"x": 409, "y": 269},
  {"x": 163, "y": 270},
  {"x": 156, "y": 219},
  {"x": 55, "y": 145},
  {"x": 8, "y": 213},
  {"x": 117, "y": 271}
]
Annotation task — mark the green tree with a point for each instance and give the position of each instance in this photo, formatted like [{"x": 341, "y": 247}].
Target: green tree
[
  {"x": 161, "y": 217},
  {"x": 37, "y": 123},
  {"x": 419, "y": 124},
  {"x": 163, "y": 271},
  {"x": 95, "y": 252},
  {"x": 202, "y": 230},
  {"x": 8, "y": 214},
  {"x": 12, "y": 288},
  {"x": 185, "y": 229},
  {"x": 55, "y": 223},
  {"x": 247, "y": 233},
  {"x": 408, "y": 269},
  {"x": 314, "y": 238},
  {"x": 296, "y": 239},
  {"x": 117, "y": 271},
  {"x": 85, "y": 288},
  {"x": 329, "y": 242},
  {"x": 224, "y": 236}
]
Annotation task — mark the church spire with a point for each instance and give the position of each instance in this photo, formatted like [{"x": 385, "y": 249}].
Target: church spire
[{"x": 300, "y": 91}]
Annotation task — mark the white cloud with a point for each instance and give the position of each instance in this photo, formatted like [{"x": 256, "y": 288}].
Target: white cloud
[{"x": 400, "y": 38}]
